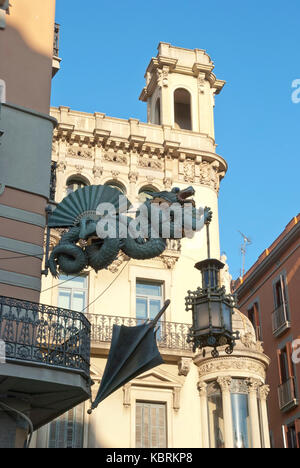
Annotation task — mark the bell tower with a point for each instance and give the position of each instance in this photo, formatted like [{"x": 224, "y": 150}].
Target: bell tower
[{"x": 180, "y": 89}]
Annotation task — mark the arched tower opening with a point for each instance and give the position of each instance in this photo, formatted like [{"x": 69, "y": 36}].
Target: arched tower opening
[{"x": 182, "y": 109}]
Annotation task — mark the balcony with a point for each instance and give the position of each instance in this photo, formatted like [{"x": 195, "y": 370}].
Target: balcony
[
  {"x": 171, "y": 336},
  {"x": 280, "y": 320},
  {"x": 47, "y": 354},
  {"x": 287, "y": 395},
  {"x": 56, "y": 60}
]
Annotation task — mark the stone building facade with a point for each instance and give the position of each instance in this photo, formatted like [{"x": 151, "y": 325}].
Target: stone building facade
[{"x": 189, "y": 401}]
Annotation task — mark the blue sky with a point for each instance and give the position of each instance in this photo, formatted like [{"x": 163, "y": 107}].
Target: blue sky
[{"x": 106, "y": 46}]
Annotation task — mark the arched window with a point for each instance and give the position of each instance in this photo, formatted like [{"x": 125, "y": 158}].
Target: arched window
[
  {"x": 215, "y": 416},
  {"x": 117, "y": 185},
  {"x": 157, "y": 116},
  {"x": 74, "y": 183},
  {"x": 182, "y": 109},
  {"x": 143, "y": 196}
]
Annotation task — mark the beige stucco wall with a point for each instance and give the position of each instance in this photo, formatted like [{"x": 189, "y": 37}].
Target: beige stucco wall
[{"x": 26, "y": 51}]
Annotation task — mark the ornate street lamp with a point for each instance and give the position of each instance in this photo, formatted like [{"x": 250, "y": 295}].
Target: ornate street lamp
[{"x": 212, "y": 308}]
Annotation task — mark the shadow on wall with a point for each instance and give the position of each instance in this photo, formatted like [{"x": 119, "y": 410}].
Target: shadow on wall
[{"x": 26, "y": 72}]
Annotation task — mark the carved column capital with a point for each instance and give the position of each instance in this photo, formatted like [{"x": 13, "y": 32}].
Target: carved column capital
[
  {"x": 264, "y": 391},
  {"x": 253, "y": 384},
  {"x": 225, "y": 383},
  {"x": 202, "y": 388}
]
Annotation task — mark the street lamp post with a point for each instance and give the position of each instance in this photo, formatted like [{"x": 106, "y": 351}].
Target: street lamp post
[{"x": 212, "y": 308}]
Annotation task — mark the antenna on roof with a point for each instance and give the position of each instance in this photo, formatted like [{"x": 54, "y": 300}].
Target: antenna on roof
[{"x": 246, "y": 241}]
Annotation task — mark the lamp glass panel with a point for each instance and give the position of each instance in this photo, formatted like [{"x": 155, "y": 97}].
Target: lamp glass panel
[
  {"x": 216, "y": 314},
  {"x": 202, "y": 316},
  {"x": 227, "y": 317}
]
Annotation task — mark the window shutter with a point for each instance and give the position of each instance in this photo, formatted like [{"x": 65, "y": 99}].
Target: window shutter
[
  {"x": 67, "y": 430},
  {"x": 289, "y": 350},
  {"x": 151, "y": 425},
  {"x": 279, "y": 365}
]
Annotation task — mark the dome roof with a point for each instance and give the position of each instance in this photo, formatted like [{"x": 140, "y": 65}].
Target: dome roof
[{"x": 242, "y": 324}]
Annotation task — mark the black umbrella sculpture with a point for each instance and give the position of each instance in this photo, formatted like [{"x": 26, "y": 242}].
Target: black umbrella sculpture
[{"x": 133, "y": 351}]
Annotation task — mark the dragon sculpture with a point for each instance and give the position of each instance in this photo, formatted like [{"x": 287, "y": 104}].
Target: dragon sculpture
[{"x": 79, "y": 212}]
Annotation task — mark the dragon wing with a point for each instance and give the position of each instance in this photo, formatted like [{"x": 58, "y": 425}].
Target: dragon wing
[{"x": 84, "y": 202}]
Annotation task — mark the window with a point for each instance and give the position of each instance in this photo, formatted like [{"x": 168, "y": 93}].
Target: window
[
  {"x": 240, "y": 414},
  {"x": 254, "y": 317},
  {"x": 151, "y": 425},
  {"x": 280, "y": 316},
  {"x": 157, "y": 117},
  {"x": 143, "y": 196},
  {"x": 215, "y": 416},
  {"x": 148, "y": 300},
  {"x": 75, "y": 184},
  {"x": 67, "y": 430},
  {"x": 287, "y": 390},
  {"x": 182, "y": 109},
  {"x": 116, "y": 185},
  {"x": 73, "y": 293},
  {"x": 293, "y": 434},
  {"x": 2, "y": 91}
]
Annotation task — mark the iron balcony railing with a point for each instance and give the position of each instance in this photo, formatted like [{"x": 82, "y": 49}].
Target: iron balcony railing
[
  {"x": 56, "y": 40},
  {"x": 44, "y": 335},
  {"x": 171, "y": 335},
  {"x": 280, "y": 319},
  {"x": 287, "y": 394}
]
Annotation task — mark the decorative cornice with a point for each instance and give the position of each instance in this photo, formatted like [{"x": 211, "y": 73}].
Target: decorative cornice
[{"x": 243, "y": 365}]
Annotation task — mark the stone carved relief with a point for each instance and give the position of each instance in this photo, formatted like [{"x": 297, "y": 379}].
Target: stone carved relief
[
  {"x": 116, "y": 157},
  {"x": 115, "y": 174},
  {"x": 114, "y": 267},
  {"x": 168, "y": 183},
  {"x": 189, "y": 171},
  {"x": 146, "y": 161},
  {"x": 97, "y": 171},
  {"x": 163, "y": 77},
  {"x": 201, "y": 83},
  {"x": 79, "y": 169},
  {"x": 61, "y": 166},
  {"x": 225, "y": 276},
  {"x": 184, "y": 366},
  {"x": 205, "y": 172},
  {"x": 133, "y": 176},
  {"x": 169, "y": 261},
  {"x": 78, "y": 152},
  {"x": 248, "y": 342}
]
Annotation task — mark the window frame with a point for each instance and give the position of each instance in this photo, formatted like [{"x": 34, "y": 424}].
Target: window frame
[
  {"x": 65, "y": 287},
  {"x": 149, "y": 297}
]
